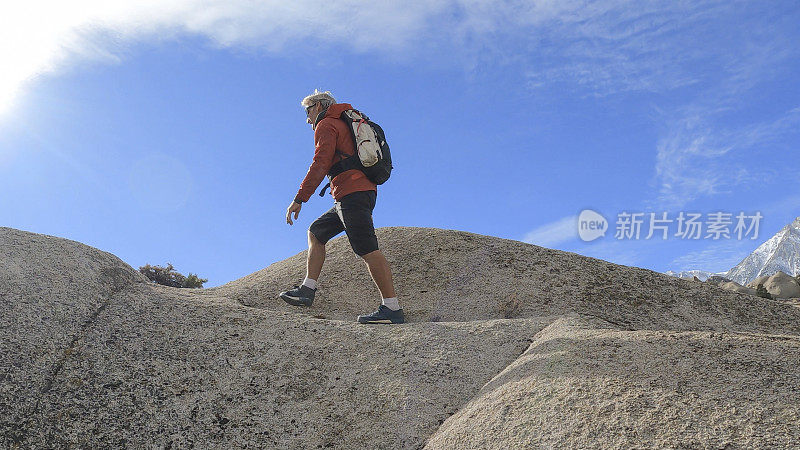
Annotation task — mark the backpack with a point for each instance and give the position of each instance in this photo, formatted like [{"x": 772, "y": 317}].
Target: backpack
[{"x": 374, "y": 158}]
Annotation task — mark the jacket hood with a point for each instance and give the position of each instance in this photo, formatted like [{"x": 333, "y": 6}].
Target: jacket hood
[{"x": 336, "y": 109}]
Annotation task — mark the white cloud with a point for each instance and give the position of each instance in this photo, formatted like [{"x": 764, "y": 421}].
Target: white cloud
[
  {"x": 719, "y": 256},
  {"x": 699, "y": 152},
  {"x": 698, "y": 158},
  {"x": 553, "y": 233},
  {"x": 609, "y": 47},
  {"x": 600, "y": 47},
  {"x": 43, "y": 36},
  {"x": 605, "y": 46}
]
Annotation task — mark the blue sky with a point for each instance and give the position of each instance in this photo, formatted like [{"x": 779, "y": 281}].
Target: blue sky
[{"x": 172, "y": 131}]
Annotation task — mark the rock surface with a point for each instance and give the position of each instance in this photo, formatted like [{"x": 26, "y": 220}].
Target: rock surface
[
  {"x": 579, "y": 353},
  {"x": 780, "y": 285},
  {"x": 582, "y": 383},
  {"x": 736, "y": 287}
]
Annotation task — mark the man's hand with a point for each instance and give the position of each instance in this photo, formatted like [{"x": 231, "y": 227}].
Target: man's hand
[{"x": 294, "y": 207}]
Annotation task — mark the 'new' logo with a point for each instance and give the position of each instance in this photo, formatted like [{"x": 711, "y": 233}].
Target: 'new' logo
[{"x": 591, "y": 225}]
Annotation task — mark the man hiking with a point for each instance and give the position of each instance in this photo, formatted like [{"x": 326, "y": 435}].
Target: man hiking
[{"x": 354, "y": 199}]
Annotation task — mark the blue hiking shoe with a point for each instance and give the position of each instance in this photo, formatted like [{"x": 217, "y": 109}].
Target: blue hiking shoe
[
  {"x": 299, "y": 296},
  {"x": 384, "y": 314}
]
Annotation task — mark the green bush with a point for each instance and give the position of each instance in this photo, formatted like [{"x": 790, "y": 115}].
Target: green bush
[
  {"x": 169, "y": 277},
  {"x": 761, "y": 291},
  {"x": 193, "y": 281}
]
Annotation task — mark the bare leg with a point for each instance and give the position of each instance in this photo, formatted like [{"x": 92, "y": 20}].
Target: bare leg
[
  {"x": 316, "y": 256},
  {"x": 381, "y": 273}
]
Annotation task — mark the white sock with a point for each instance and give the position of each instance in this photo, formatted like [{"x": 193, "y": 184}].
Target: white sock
[
  {"x": 310, "y": 283},
  {"x": 391, "y": 303}
]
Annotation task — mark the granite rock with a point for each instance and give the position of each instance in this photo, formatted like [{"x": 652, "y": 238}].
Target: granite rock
[{"x": 590, "y": 354}]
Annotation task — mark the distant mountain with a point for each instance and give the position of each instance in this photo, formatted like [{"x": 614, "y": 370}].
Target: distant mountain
[
  {"x": 780, "y": 253},
  {"x": 702, "y": 275}
]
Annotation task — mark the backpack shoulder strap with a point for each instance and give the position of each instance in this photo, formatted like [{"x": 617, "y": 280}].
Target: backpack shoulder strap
[{"x": 347, "y": 162}]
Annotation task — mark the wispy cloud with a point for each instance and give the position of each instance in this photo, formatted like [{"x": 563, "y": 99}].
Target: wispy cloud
[
  {"x": 41, "y": 36},
  {"x": 596, "y": 48},
  {"x": 602, "y": 46},
  {"x": 714, "y": 53},
  {"x": 700, "y": 153},
  {"x": 718, "y": 256},
  {"x": 553, "y": 233},
  {"x": 698, "y": 157},
  {"x": 722, "y": 255},
  {"x": 608, "y": 47}
]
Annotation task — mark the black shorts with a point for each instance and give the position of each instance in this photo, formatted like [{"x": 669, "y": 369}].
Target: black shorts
[{"x": 354, "y": 217}]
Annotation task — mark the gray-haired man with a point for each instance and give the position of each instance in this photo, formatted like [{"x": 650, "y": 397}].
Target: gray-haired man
[{"x": 354, "y": 199}]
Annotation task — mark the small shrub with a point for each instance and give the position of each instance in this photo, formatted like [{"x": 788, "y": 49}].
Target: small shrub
[
  {"x": 193, "y": 281},
  {"x": 167, "y": 276},
  {"x": 761, "y": 291}
]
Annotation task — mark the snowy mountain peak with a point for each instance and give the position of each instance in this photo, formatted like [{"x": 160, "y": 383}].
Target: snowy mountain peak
[
  {"x": 702, "y": 275},
  {"x": 781, "y": 252}
]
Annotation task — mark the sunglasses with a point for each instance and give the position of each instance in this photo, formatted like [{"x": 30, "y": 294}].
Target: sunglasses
[{"x": 308, "y": 109}]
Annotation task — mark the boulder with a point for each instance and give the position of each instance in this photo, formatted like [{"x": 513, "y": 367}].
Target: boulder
[
  {"x": 736, "y": 287},
  {"x": 760, "y": 280},
  {"x": 716, "y": 279},
  {"x": 782, "y": 285}
]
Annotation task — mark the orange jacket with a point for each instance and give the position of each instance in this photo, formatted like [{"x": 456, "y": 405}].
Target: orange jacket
[{"x": 331, "y": 134}]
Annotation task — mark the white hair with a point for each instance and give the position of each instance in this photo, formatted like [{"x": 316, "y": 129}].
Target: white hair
[{"x": 323, "y": 98}]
